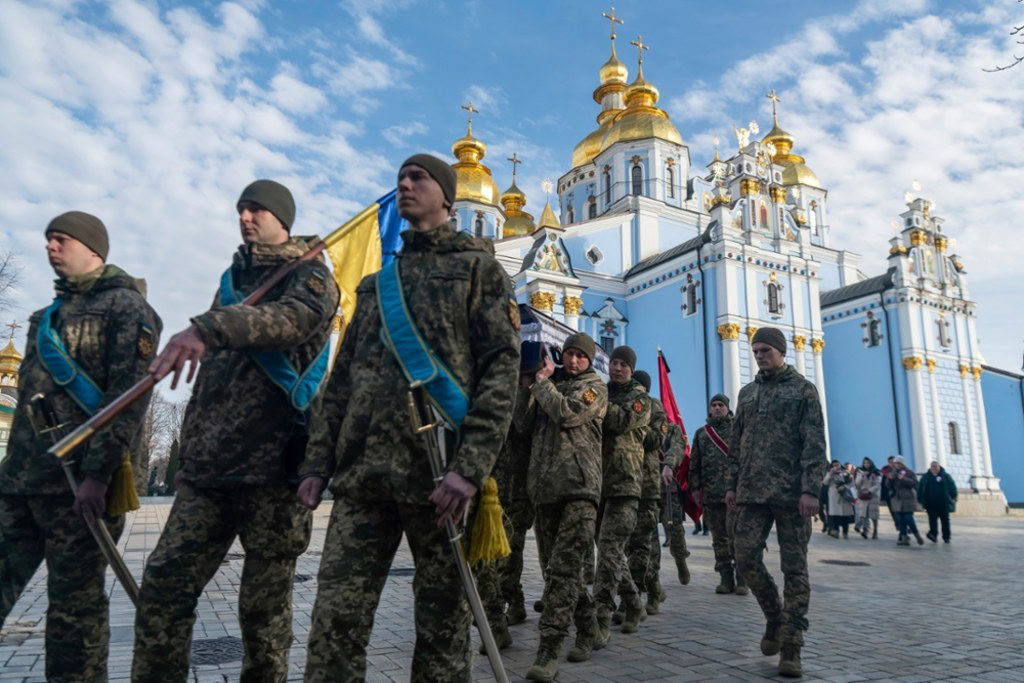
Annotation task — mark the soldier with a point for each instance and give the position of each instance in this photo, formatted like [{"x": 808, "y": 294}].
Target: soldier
[
  {"x": 638, "y": 549},
  {"x": 674, "y": 450},
  {"x": 777, "y": 462},
  {"x": 101, "y": 328},
  {"x": 455, "y": 297},
  {"x": 242, "y": 439},
  {"x": 563, "y": 411},
  {"x": 709, "y": 477},
  {"x": 622, "y": 456}
]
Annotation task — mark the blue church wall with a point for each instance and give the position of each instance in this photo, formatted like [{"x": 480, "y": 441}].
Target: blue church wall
[
  {"x": 829, "y": 274},
  {"x": 673, "y": 233},
  {"x": 859, "y": 395},
  {"x": 952, "y": 408},
  {"x": 1004, "y": 412},
  {"x": 608, "y": 242}
]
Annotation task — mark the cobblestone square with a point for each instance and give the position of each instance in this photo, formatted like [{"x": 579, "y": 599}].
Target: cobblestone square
[{"x": 933, "y": 613}]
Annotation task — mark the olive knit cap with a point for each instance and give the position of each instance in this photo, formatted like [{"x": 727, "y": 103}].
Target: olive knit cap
[
  {"x": 272, "y": 196},
  {"x": 626, "y": 355},
  {"x": 583, "y": 342},
  {"x": 772, "y": 337},
  {"x": 439, "y": 170},
  {"x": 719, "y": 397},
  {"x": 85, "y": 228}
]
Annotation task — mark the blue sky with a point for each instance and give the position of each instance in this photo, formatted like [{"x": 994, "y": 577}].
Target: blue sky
[{"x": 154, "y": 115}]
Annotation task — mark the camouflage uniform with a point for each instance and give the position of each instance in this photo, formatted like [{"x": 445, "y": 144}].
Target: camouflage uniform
[
  {"x": 461, "y": 301},
  {"x": 776, "y": 454},
  {"x": 564, "y": 415},
  {"x": 638, "y": 549},
  {"x": 520, "y": 512},
  {"x": 709, "y": 473},
  {"x": 674, "y": 449},
  {"x": 241, "y": 441},
  {"x": 108, "y": 328},
  {"x": 622, "y": 456}
]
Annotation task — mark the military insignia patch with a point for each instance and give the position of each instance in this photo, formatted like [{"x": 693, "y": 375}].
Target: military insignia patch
[
  {"x": 513, "y": 315},
  {"x": 664, "y": 427},
  {"x": 589, "y": 396},
  {"x": 145, "y": 342},
  {"x": 638, "y": 406},
  {"x": 315, "y": 284}
]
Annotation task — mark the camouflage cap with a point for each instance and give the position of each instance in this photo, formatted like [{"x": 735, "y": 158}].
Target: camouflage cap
[
  {"x": 583, "y": 342},
  {"x": 272, "y": 196}
]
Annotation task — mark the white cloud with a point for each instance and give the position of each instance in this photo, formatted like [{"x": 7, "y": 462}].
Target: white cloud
[
  {"x": 485, "y": 97},
  {"x": 398, "y": 135},
  {"x": 294, "y": 95}
]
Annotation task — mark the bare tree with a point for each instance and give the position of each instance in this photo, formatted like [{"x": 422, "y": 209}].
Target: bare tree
[
  {"x": 10, "y": 270},
  {"x": 1017, "y": 32},
  {"x": 160, "y": 428}
]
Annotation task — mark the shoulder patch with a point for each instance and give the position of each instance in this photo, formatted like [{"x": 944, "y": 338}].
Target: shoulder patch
[
  {"x": 145, "y": 342},
  {"x": 589, "y": 396},
  {"x": 316, "y": 283},
  {"x": 513, "y": 314},
  {"x": 638, "y": 406}
]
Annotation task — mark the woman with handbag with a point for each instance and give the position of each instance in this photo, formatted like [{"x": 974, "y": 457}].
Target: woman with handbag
[
  {"x": 840, "y": 499},
  {"x": 903, "y": 483},
  {"x": 937, "y": 493},
  {"x": 869, "y": 490}
]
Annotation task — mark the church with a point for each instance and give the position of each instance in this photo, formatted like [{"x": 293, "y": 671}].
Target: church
[{"x": 648, "y": 248}]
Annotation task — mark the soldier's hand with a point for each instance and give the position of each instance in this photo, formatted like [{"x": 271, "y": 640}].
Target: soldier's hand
[
  {"x": 311, "y": 490},
  {"x": 667, "y": 476},
  {"x": 808, "y": 505},
  {"x": 185, "y": 347},
  {"x": 547, "y": 370},
  {"x": 91, "y": 499},
  {"x": 451, "y": 497},
  {"x": 730, "y": 500}
]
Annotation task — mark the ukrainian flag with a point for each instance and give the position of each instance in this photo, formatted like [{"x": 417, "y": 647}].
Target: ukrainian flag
[{"x": 362, "y": 246}]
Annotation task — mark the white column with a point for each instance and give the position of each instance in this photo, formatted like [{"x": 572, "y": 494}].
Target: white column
[
  {"x": 940, "y": 445},
  {"x": 818, "y": 346},
  {"x": 977, "y": 478},
  {"x": 918, "y": 415},
  {"x": 730, "y": 334},
  {"x": 986, "y": 453}
]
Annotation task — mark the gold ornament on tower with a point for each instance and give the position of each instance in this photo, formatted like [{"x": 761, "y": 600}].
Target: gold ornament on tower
[
  {"x": 474, "y": 181},
  {"x": 729, "y": 331},
  {"x": 517, "y": 221},
  {"x": 795, "y": 170},
  {"x": 912, "y": 363},
  {"x": 817, "y": 345},
  {"x": 751, "y": 331},
  {"x": 930, "y": 362},
  {"x": 572, "y": 304},
  {"x": 799, "y": 342},
  {"x": 543, "y": 301}
]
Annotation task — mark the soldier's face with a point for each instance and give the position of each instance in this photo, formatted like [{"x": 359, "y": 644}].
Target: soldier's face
[
  {"x": 575, "y": 361},
  {"x": 767, "y": 357},
  {"x": 419, "y": 195},
  {"x": 259, "y": 226},
  {"x": 68, "y": 256},
  {"x": 719, "y": 409},
  {"x": 620, "y": 371}
]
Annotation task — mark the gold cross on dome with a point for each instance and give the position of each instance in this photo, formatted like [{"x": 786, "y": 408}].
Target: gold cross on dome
[
  {"x": 640, "y": 47},
  {"x": 775, "y": 101},
  {"x": 515, "y": 162},
  {"x": 612, "y": 19},
  {"x": 14, "y": 326},
  {"x": 468, "y": 106}
]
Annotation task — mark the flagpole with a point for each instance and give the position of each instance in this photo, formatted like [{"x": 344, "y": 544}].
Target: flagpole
[{"x": 81, "y": 434}]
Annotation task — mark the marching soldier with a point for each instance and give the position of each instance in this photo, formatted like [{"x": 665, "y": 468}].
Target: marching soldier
[
  {"x": 563, "y": 411},
  {"x": 100, "y": 332},
  {"x": 242, "y": 440},
  {"x": 777, "y": 462},
  {"x": 449, "y": 296},
  {"x": 622, "y": 455},
  {"x": 709, "y": 477},
  {"x": 674, "y": 449}
]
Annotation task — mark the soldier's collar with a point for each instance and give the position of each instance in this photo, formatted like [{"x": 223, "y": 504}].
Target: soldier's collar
[
  {"x": 418, "y": 240},
  {"x": 256, "y": 254}
]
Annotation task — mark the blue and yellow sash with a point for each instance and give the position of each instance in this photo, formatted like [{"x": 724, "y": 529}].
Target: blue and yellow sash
[
  {"x": 300, "y": 388},
  {"x": 414, "y": 356},
  {"x": 62, "y": 367}
]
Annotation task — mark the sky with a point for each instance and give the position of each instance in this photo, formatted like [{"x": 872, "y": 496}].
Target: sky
[{"x": 154, "y": 115}]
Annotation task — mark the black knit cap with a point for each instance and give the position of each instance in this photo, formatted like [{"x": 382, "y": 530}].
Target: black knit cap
[
  {"x": 644, "y": 379},
  {"x": 583, "y": 342},
  {"x": 439, "y": 170},
  {"x": 272, "y": 196},
  {"x": 85, "y": 228},
  {"x": 720, "y": 397},
  {"x": 625, "y": 354},
  {"x": 772, "y": 337}
]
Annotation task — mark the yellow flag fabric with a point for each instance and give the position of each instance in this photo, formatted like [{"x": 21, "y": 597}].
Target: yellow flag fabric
[{"x": 354, "y": 254}]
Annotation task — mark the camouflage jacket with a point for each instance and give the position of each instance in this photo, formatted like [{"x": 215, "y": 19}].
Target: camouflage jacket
[
  {"x": 563, "y": 417},
  {"x": 112, "y": 333},
  {"x": 709, "y": 466},
  {"x": 461, "y": 301},
  {"x": 777, "y": 446},
  {"x": 622, "y": 449},
  {"x": 674, "y": 447},
  {"x": 654, "y": 438},
  {"x": 239, "y": 427}
]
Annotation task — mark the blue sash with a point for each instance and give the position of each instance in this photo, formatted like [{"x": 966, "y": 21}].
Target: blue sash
[
  {"x": 62, "y": 367},
  {"x": 299, "y": 388},
  {"x": 414, "y": 356}
]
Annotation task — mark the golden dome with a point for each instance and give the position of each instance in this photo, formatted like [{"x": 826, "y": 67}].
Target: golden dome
[
  {"x": 517, "y": 221},
  {"x": 795, "y": 171},
  {"x": 590, "y": 146},
  {"x": 642, "y": 118},
  {"x": 474, "y": 181},
  {"x": 548, "y": 218},
  {"x": 614, "y": 71},
  {"x": 798, "y": 174},
  {"x": 10, "y": 360}
]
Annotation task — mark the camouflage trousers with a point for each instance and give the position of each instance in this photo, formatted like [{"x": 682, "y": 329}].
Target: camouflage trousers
[
  {"x": 361, "y": 542},
  {"x": 722, "y": 523},
  {"x": 274, "y": 529},
  {"x": 489, "y": 576},
  {"x": 37, "y": 528},
  {"x": 638, "y": 548},
  {"x": 618, "y": 519},
  {"x": 521, "y": 514},
  {"x": 672, "y": 520},
  {"x": 567, "y": 530},
  {"x": 753, "y": 524}
]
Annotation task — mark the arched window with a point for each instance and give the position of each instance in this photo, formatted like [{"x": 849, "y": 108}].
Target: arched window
[
  {"x": 638, "y": 179},
  {"x": 607, "y": 177},
  {"x": 571, "y": 214},
  {"x": 592, "y": 208},
  {"x": 670, "y": 179},
  {"x": 478, "y": 226},
  {"x": 764, "y": 217},
  {"x": 773, "y": 297},
  {"x": 943, "y": 331},
  {"x": 954, "y": 438},
  {"x": 812, "y": 217}
]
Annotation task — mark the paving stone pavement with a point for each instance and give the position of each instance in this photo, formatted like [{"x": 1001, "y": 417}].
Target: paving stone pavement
[{"x": 933, "y": 613}]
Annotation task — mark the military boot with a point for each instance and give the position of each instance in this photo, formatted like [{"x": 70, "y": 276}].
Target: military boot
[
  {"x": 604, "y": 631},
  {"x": 538, "y": 606},
  {"x": 789, "y": 661},
  {"x": 728, "y": 584},
  {"x": 684, "y": 571},
  {"x": 770, "y": 641},
  {"x": 653, "y": 601},
  {"x": 584, "y": 645},
  {"x": 633, "y": 616},
  {"x": 502, "y": 638},
  {"x": 516, "y": 613},
  {"x": 545, "y": 666},
  {"x": 741, "y": 585}
]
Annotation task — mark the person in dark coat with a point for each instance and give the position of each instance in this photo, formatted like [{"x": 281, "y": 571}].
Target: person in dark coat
[{"x": 937, "y": 493}]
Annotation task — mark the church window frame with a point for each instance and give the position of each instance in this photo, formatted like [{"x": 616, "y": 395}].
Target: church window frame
[
  {"x": 570, "y": 214},
  {"x": 955, "y": 445},
  {"x": 943, "y": 326},
  {"x": 773, "y": 298},
  {"x": 763, "y": 215},
  {"x": 812, "y": 218},
  {"x": 594, "y": 255},
  {"x": 670, "y": 180},
  {"x": 478, "y": 225},
  {"x": 608, "y": 344},
  {"x": 607, "y": 179},
  {"x": 636, "y": 177},
  {"x": 592, "y": 208},
  {"x": 690, "y": 299}
]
